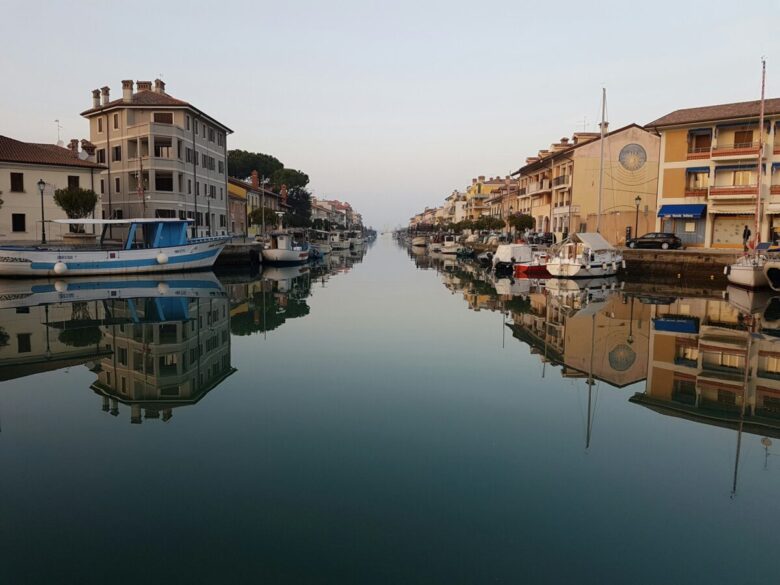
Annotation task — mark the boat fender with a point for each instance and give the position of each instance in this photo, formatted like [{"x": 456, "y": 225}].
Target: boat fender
[
  {"x": 60, "y": 286},
  {"x": 163, "y": 288},
  {"x": 60, "y": 268},
  {"x": 727, "y": 270},
  {"x": 604, "y": 266},
  {"x": 623, "y": 264},
  {"x": 614, "y": 267}
]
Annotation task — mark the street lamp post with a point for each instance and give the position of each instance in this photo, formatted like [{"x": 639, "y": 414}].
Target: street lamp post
[
  {"x": 41, "y": 187},
  {"x": 637, "y": 201}
]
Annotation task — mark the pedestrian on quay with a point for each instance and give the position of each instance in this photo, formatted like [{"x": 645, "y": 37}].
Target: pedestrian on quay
[{"x": 745, "y": 238}]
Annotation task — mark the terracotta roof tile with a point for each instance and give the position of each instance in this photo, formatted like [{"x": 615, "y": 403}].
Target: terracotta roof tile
[
  {"x": 147, "y": 97},
  {"x": 719, "y": 112},
  {"x": 47, "y": 154}
]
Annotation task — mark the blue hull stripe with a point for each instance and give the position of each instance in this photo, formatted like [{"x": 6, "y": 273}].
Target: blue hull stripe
[{"x": 114, "y": 264}]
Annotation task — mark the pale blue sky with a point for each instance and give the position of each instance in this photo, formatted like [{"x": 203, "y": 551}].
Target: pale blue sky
[{"x": 389, "y": 105}]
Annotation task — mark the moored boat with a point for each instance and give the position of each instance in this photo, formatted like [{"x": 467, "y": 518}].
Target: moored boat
[
  {"x": 338, "y": 241},
  {"x": 283, "y": 248},
  {"x": 419, "y": 241},
  {"x": 586, "y": 255},
  {"x": 520, "y": 260},
  {"x": 151, "y": 245},
  {"x": 748, "y": 271},
  {"x": 450, "y": 245}
]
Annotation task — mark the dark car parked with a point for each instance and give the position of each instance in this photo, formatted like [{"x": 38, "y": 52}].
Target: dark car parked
[
  {"x": 541, "y": 239},
  {"x": 656, "y": 240}
]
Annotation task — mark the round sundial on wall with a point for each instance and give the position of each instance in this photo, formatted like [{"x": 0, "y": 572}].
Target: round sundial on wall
[{"x": 632, "y": 157}]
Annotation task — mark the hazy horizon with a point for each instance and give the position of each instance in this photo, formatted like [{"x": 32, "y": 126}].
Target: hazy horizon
[{"x": 388, "y": 107}]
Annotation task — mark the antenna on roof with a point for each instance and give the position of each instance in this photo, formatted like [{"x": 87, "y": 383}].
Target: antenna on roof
[{"x": 59, "y": 127}]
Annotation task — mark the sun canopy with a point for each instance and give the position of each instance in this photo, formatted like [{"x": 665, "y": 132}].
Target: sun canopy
[
  {"x": 682, "y": 211},
  {"x": 594, "y": 241},
  {"x": 120, "y": 221}
]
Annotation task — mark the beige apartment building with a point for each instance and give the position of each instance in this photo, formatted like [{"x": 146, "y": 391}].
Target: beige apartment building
[
  {"x": 163, "y": 156},
  {"x": 559, "y": 187},
  {"x": 708, "y": 178},
  {"x": 22, "y": 166}
]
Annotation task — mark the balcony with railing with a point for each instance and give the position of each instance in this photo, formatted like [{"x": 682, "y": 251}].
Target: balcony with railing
[
  {"x": 733, "y": 192},
  {"x": 699, "y": 152},
  {"x": 561, "y": 181},
  {"x": 539, "y": 187},
  {"x": 692, "y": 191},
  {"x": 735, "y": 149}
]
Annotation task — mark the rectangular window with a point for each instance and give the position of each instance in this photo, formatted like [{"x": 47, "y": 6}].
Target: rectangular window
[
  {"x": 220, "y": 138},
  {"x": 212, "y": 191},
  {"x": 17, "y": 182},
  {"x": 743, "y": 178},
  {"x": 23, "y": 342},
  {"x": 101, "y": 156},
  {"x": 189, "y": 186},
  {"x": 222, "y": 221},
  {"x": 163, "y": 181},
  {"x": 743, "y": 138},
  {"x": 102, "y": 186},
  {"x": 179, "y": 149},
  {"x": 73, "y": 182},
  {"x": 116, "y": 121},
  {"x": 116, "y": 153},
  {"x": 698, "y": 180},
  {"x": 18, "y": 222},
  {"x": 165, "y": 213},
  {"x": 119, "y": 214},
  {"x": 100, "y": 125},
  {"x": 212, "y": 135},
  {"x": 187, "y": 121},
  {"x": 197, "y": 188},
  {"x": 117, "y": 186},
  {"x": 204, "y": 131},
  {"x": 196, "y": 127},
  {"x": 163, "y": 147},
  {"x": 163, "y": 117},
  {"x": 121, "y": 355},
  {"x": 204, "y": 162},
  {"x": 221, "y": 167}
]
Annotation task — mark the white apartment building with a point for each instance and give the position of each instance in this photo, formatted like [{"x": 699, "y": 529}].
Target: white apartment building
[
  {"x": 163, "y": 156},
  {"x": 22, "y": 166}
]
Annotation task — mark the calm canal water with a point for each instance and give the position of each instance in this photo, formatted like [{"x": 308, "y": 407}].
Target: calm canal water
[{"x": 388, "y": 418}]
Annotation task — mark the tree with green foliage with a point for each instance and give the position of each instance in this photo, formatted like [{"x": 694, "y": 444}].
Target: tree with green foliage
[
  {"x": 241, "y": 163},
  {"x": 77, "y": 203},
  {"x": 521, "y": 222},
  {"x": 299, "y": 200},
  {"x": 291, "y": 178},
  {"x": 257, "y": 215}
]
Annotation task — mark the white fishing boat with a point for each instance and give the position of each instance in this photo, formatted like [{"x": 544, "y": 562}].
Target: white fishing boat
[
  {"x": 450, "y": 245},
  {"x": 320, "y": 243},
  {"x": 284, "y": 248},
  {"x": 586, "y": 255},
  {"x": 355, "y": 239},
  {"x": 419, "y": 241},
  {"x": 150, "y": 245},
  {"x": 749, "y": 270},
  {"x": 435, "y": 245},
  {"x": 338, "y": 241}
]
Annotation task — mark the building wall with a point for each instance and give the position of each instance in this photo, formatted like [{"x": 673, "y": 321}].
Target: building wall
[
  {"x": 136, "y": 133},
  {"x": 28, "y": 203}
]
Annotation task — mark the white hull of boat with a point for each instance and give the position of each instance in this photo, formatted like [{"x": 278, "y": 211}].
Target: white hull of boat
[
  {"x": 286, "y": 256},
  {"x": 340, "y": 245},
  {"x": 323, "y": 249},
  {"x": 748, "y": 275},
  {"x": 355, "y": 242},
  {"x": 419, "y": 241},
  {"x": 450, "y": 248},
  {"x": 563, "y": 269},
  {"x": 43, "y": 262}
]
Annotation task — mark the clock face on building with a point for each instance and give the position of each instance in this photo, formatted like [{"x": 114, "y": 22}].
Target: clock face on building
[{"x": 632, "y": 157}]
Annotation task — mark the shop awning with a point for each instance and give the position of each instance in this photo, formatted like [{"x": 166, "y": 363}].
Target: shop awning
[
  {"x": 745, "y": 167},
  {"x": 676, "y": 324},
  {"x": 691, "y": 210},
  {"x": 698, "y": 170},
  {"x": 733, "y": 210}
]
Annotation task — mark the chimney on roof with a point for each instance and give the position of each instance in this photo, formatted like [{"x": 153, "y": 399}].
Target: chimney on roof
[
  {"x": 159, "y": 86},
  {"x": 127, "y": 90},
  {"x": 73, "y": 146},
  {"x": 564, "y": 140},
  {"x": 255, "y": 179},
  {"x": 88, "y": 147},
  {"x": 531, "y": 159},
  {"x": 481, "y": 178},
  {"x": 143, "y": 85},
  {"x": 104, "y": 92},
  {"x": 95, "y": 98}
]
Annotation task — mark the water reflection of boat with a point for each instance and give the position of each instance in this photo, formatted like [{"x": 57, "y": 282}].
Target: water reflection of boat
[{"x": 28, "y": 293}]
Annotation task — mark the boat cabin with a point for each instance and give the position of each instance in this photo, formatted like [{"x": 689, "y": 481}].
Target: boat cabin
[{"x": 141, "y": 233}]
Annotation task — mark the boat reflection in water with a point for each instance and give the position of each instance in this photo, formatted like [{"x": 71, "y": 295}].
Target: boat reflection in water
[
  {"x": 708, "y": 356},
  {"x": 154, "y": 343}
]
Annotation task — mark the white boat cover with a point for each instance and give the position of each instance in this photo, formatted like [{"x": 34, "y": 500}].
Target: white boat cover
[{"x": 594, "y": 241}]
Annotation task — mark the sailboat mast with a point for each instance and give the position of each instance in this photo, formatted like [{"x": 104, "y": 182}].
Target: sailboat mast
[
  {"x": 760, "y": 183},
  {"x": 601, "y": 156}
]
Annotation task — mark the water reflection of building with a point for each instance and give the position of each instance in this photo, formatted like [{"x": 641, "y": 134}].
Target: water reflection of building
[
  {"x": 35, "y": 339},
  {"x": 165, "y": 353},
  {"x": 715, "y": 361}
]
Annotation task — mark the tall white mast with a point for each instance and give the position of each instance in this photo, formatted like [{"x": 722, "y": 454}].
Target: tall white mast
[
  {"x": 601, "y": 159},
  {"x": 759, "y": 201}
]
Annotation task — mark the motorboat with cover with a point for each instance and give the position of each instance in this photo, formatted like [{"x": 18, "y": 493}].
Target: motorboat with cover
[{"x": 585, "y": 255}]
